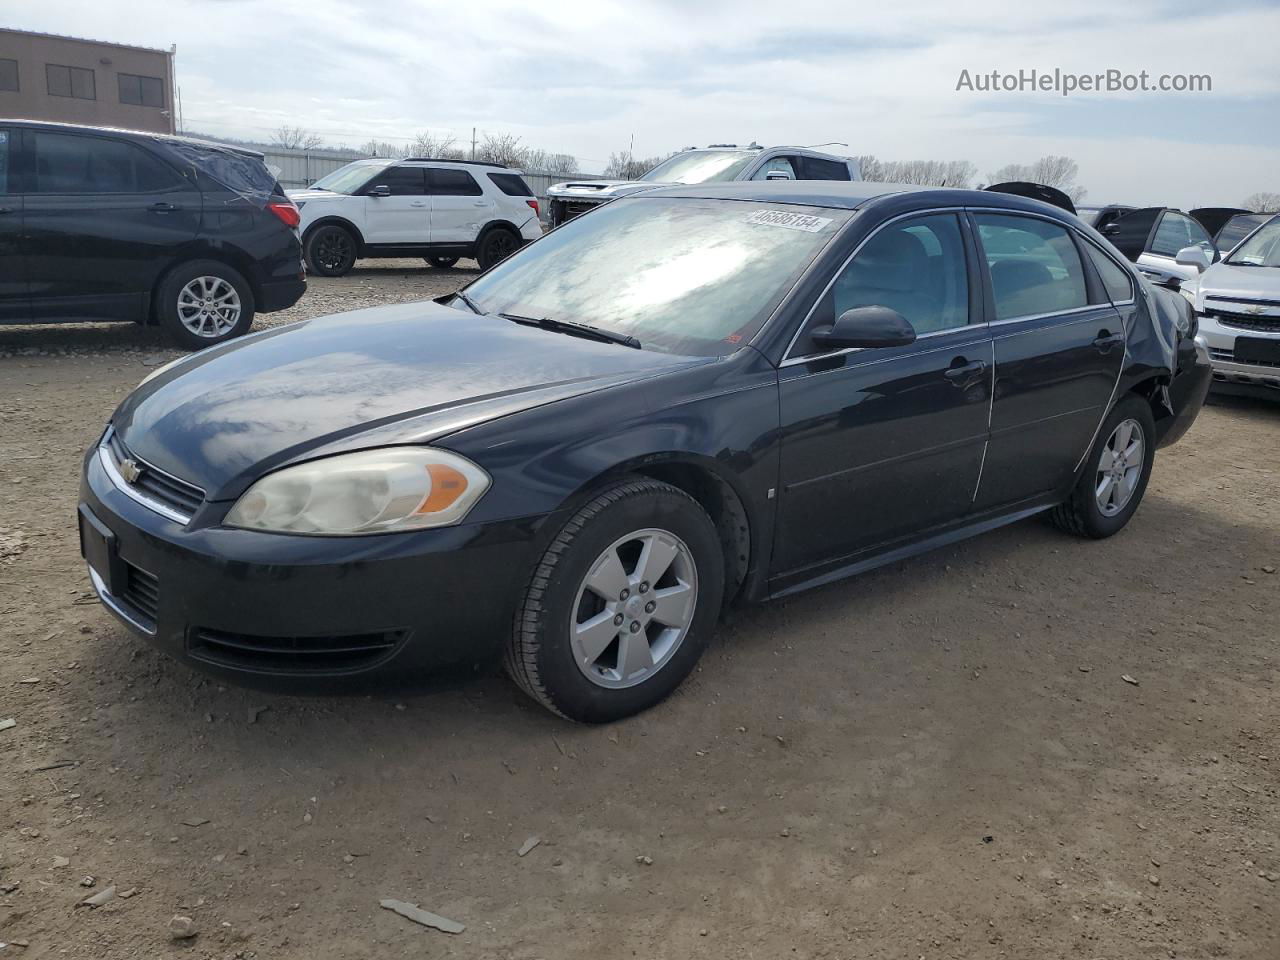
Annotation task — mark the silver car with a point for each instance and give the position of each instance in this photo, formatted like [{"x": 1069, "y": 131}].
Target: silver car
[
  {"x": 715, "y": 164},
  {"x": 1238, "y": 303}
]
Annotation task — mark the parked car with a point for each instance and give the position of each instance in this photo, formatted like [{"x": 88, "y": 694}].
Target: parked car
[
  {"x": 1100, "y": 217},
  {"x": 1237, "y": 228},
  {"x": 692, "y": 396},
  {"x": 718, "y": 163},
  {"x": 1152, "y": 236},
  {"x": 1238, "y": 304},
  {"x": 439, "y": 210},
  {"x": 103, "y": 224}
]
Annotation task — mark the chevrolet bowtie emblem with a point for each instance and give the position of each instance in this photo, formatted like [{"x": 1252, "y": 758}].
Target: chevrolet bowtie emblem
[
  {"x": 1254, "y": 311},
  {"x": 130, "y": 470}
]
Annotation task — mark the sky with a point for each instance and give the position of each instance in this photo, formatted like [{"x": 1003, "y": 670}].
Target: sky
[{"x": 587, "y": 76}]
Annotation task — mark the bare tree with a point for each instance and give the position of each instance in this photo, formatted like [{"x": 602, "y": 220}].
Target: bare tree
[
  {"x": 380, "y": 148},
  {"x": 442, "y": 147},
  {"x": 1052, "y": 171},
  {"x": 1262, "y": 202},
  {"x": 501, "y": 148},
  {"x": 932, "y": 173},
  {"x": 296, "y": 138},
  {"x": 626, "y": 167},
  {"x": 561, "y": 164}
]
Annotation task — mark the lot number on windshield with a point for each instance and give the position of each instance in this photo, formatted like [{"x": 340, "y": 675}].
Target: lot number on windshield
[{"x": 792, "y": 221}]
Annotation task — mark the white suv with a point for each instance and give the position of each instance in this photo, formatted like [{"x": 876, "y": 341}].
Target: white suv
[{"x": 439, "y": 210}]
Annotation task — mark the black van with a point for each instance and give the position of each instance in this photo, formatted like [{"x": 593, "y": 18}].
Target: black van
[{"x": 101, "y": 224}]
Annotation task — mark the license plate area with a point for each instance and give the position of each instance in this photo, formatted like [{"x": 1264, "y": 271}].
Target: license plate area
[
  {"x": 1257, "y": 350},
  {"x": 98, "y": 547}
]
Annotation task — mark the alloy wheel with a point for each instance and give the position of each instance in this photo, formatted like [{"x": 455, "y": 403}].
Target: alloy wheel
[
  {"x": 634, "y": 608},
  {"x": 332, "y": 250},
  {"x": 1119, "y": 468},
  {"x": 209, "y": 307}
]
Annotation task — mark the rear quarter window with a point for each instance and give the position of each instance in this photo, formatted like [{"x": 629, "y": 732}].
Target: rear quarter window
[
  {"x": 512, "y": 184},
  {"x": 813, "y": 168}
]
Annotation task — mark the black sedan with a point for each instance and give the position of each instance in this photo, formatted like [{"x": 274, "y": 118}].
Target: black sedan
[{"x": 695, "y": 396}]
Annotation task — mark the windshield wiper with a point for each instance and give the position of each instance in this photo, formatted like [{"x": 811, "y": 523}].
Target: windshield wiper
[
  {"x": 468, "y": 301},
  {"x": 575, "y": 329}
]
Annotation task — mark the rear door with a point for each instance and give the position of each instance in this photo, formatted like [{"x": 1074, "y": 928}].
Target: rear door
[
  {"x": 103, "y": 218},
  {"x": 13, "y": 276},
  {"x": 882, "y": 445},
  {"x": 1059, "y": 347},
  {"x": 403, "y": 217},
  {"x": 459, "y": 208}
]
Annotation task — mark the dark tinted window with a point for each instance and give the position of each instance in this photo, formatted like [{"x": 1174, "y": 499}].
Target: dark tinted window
[
  {"x": 813, "y": 168},
  {"x": 1034, "y": 265},
  {"x": 70, "y": 82},
  {"x": 8, "y": 74},
  {"x": 1237, "y": 228},
  {"x": 403, "y": 181},
  {"x": 70, "y": 164},
  {"x": 1177, "y": 231},
  {"x": 512, "y": 184},
  {"x": 4, "y": 161},
  {"x": 916, "y": 267},
  {"x": 453, "y": 183},
  {"x": 144, "y": 91},
  {"x": 1114, "y": 277}
]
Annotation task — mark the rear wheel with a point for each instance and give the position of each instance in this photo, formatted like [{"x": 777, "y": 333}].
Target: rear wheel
[
  {"x": 204, "y": 302},
  {"x": 1115, "y": 474},
  {"x": 621, "y": 606},
  {"x": 330, "y": 251},
  {"x": 441, "y": 263},
  {"x": 495, "y": 246}
]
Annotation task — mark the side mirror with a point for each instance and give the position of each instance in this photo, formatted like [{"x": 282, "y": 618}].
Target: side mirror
[
  {"x": 778, "y": 175},
  {"x": 1111, "y": 229},
  {"x": 873, "y": 326},
  {"x": 1193, "y": 257},
  {"x": 381, "y": 190}
]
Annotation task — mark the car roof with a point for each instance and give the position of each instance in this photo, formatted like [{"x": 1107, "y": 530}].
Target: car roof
[
  {"x": 853, "y": 194},
  {"x": 55, "y": 125}
]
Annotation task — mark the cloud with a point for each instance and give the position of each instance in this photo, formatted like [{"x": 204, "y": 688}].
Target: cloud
[{"x": 584, "y": 76}]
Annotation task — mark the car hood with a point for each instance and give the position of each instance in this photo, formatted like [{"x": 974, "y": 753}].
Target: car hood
[
  {"x": 1243, "y": 283},
  {"x": 600, "y": 189},
  {"x": 302, "y": 196},
  {"x": 409, "y": 373}
]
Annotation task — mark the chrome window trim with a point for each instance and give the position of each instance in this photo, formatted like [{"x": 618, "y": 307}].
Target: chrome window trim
[
  {"x": 110, "y": 602},
  {"x": 1027, "y": 318},
  {"x": 1133, "y": 284},
  {"x": 118, "y": 481},
  {"x": 788, "y": 359}
]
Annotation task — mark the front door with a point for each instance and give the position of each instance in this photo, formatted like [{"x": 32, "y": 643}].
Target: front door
[
  {"x": 1059, "y": 347},
  {"x": 459, "y": 208},
  {"x": 13, "y": 275},
  {"x": 403, "y": 216},
  {"x": 880, "y": 445},
  {"x": 102, "y": 219}
]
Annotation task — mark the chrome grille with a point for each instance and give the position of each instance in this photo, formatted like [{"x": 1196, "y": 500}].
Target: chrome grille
[{"x": 153, "y": 487}]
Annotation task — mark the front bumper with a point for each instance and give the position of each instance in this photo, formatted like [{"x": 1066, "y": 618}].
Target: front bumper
[
  {"x": 1228, "y": 370},
  {"x": 244, "y": 604}
]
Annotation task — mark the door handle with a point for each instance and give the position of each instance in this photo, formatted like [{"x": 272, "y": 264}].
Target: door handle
[
  {"x": 964, "y": 375},
  {"x": 4, "y": 210},
  {"x": 418, "y": 203},
  {"x": 162, "y": 208},
  {"x": 1105, "y": 340},
  {"x": 480, "y": 203}
]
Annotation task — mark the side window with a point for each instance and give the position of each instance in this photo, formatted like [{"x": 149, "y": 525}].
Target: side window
[
  {"x": 1035, "y": 267},
  {"x": 9, "y": 75},
  {"x": 70, "y": 82},
  {"x": 1115, "y": 278},
  {"x": 776, "y": 165},
  {"x": 1177, "y": 231},
  {"x": 75, "y": 164},
  {"x": 401, "y": 181},
  {"x": 452, "y": 183},
  {"x": 916, "y": 267},
  {"x": 815, "y": 168},
  {"x": 143, "y": 91},
  {"x": 4, "y": 162}
]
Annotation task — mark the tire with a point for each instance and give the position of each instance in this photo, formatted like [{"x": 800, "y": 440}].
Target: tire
[
  {"x": 204, "y": 302},
  {"x": 330, "y": 251},
  {"x": 441, "y": 263},
  {"x": 544, "y": 650},
  {"x": 1091, "y": 511},
  {"x": 495, "y": 246}
]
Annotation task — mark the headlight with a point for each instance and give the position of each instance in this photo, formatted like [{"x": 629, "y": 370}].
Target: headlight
[
  {"x": 373, "y": 491},
  {"x": 159, "y": 370}
]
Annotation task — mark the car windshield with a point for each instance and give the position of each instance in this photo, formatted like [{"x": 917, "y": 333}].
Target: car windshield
[
  {"x": 701, "y": 166},
  {"x": 1260, "y": 250},
  {"x": 350, "y": 178},
  {"x": 691, "y": 277}
]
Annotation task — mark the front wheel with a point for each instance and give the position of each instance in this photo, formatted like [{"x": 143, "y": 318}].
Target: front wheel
[
  {"x": 204, "y": 302},
  {"x": 330, "y": 251},
  {"x": 441, "y": 263},
  {"x": 1115, "y": 473},
  {"x": 495, "y": 246},
  {"x": 621, "y": 605}
]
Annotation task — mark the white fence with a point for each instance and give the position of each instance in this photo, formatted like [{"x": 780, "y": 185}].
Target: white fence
[{"x": 301, "y": 168}]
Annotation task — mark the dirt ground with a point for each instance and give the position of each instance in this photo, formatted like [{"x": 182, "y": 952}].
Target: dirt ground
[{"x": 940, "y": 759}]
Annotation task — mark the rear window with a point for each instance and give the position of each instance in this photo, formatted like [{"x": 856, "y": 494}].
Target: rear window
[
  {"x": 512, "y": 184},
  {"x": 814, "y": 168}
]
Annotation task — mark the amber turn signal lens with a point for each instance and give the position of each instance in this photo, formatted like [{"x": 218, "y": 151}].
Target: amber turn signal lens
[{"x": 447, "y": 485}]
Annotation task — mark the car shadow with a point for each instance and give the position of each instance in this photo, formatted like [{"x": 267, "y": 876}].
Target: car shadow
[{"x": 75, "y": 338}]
